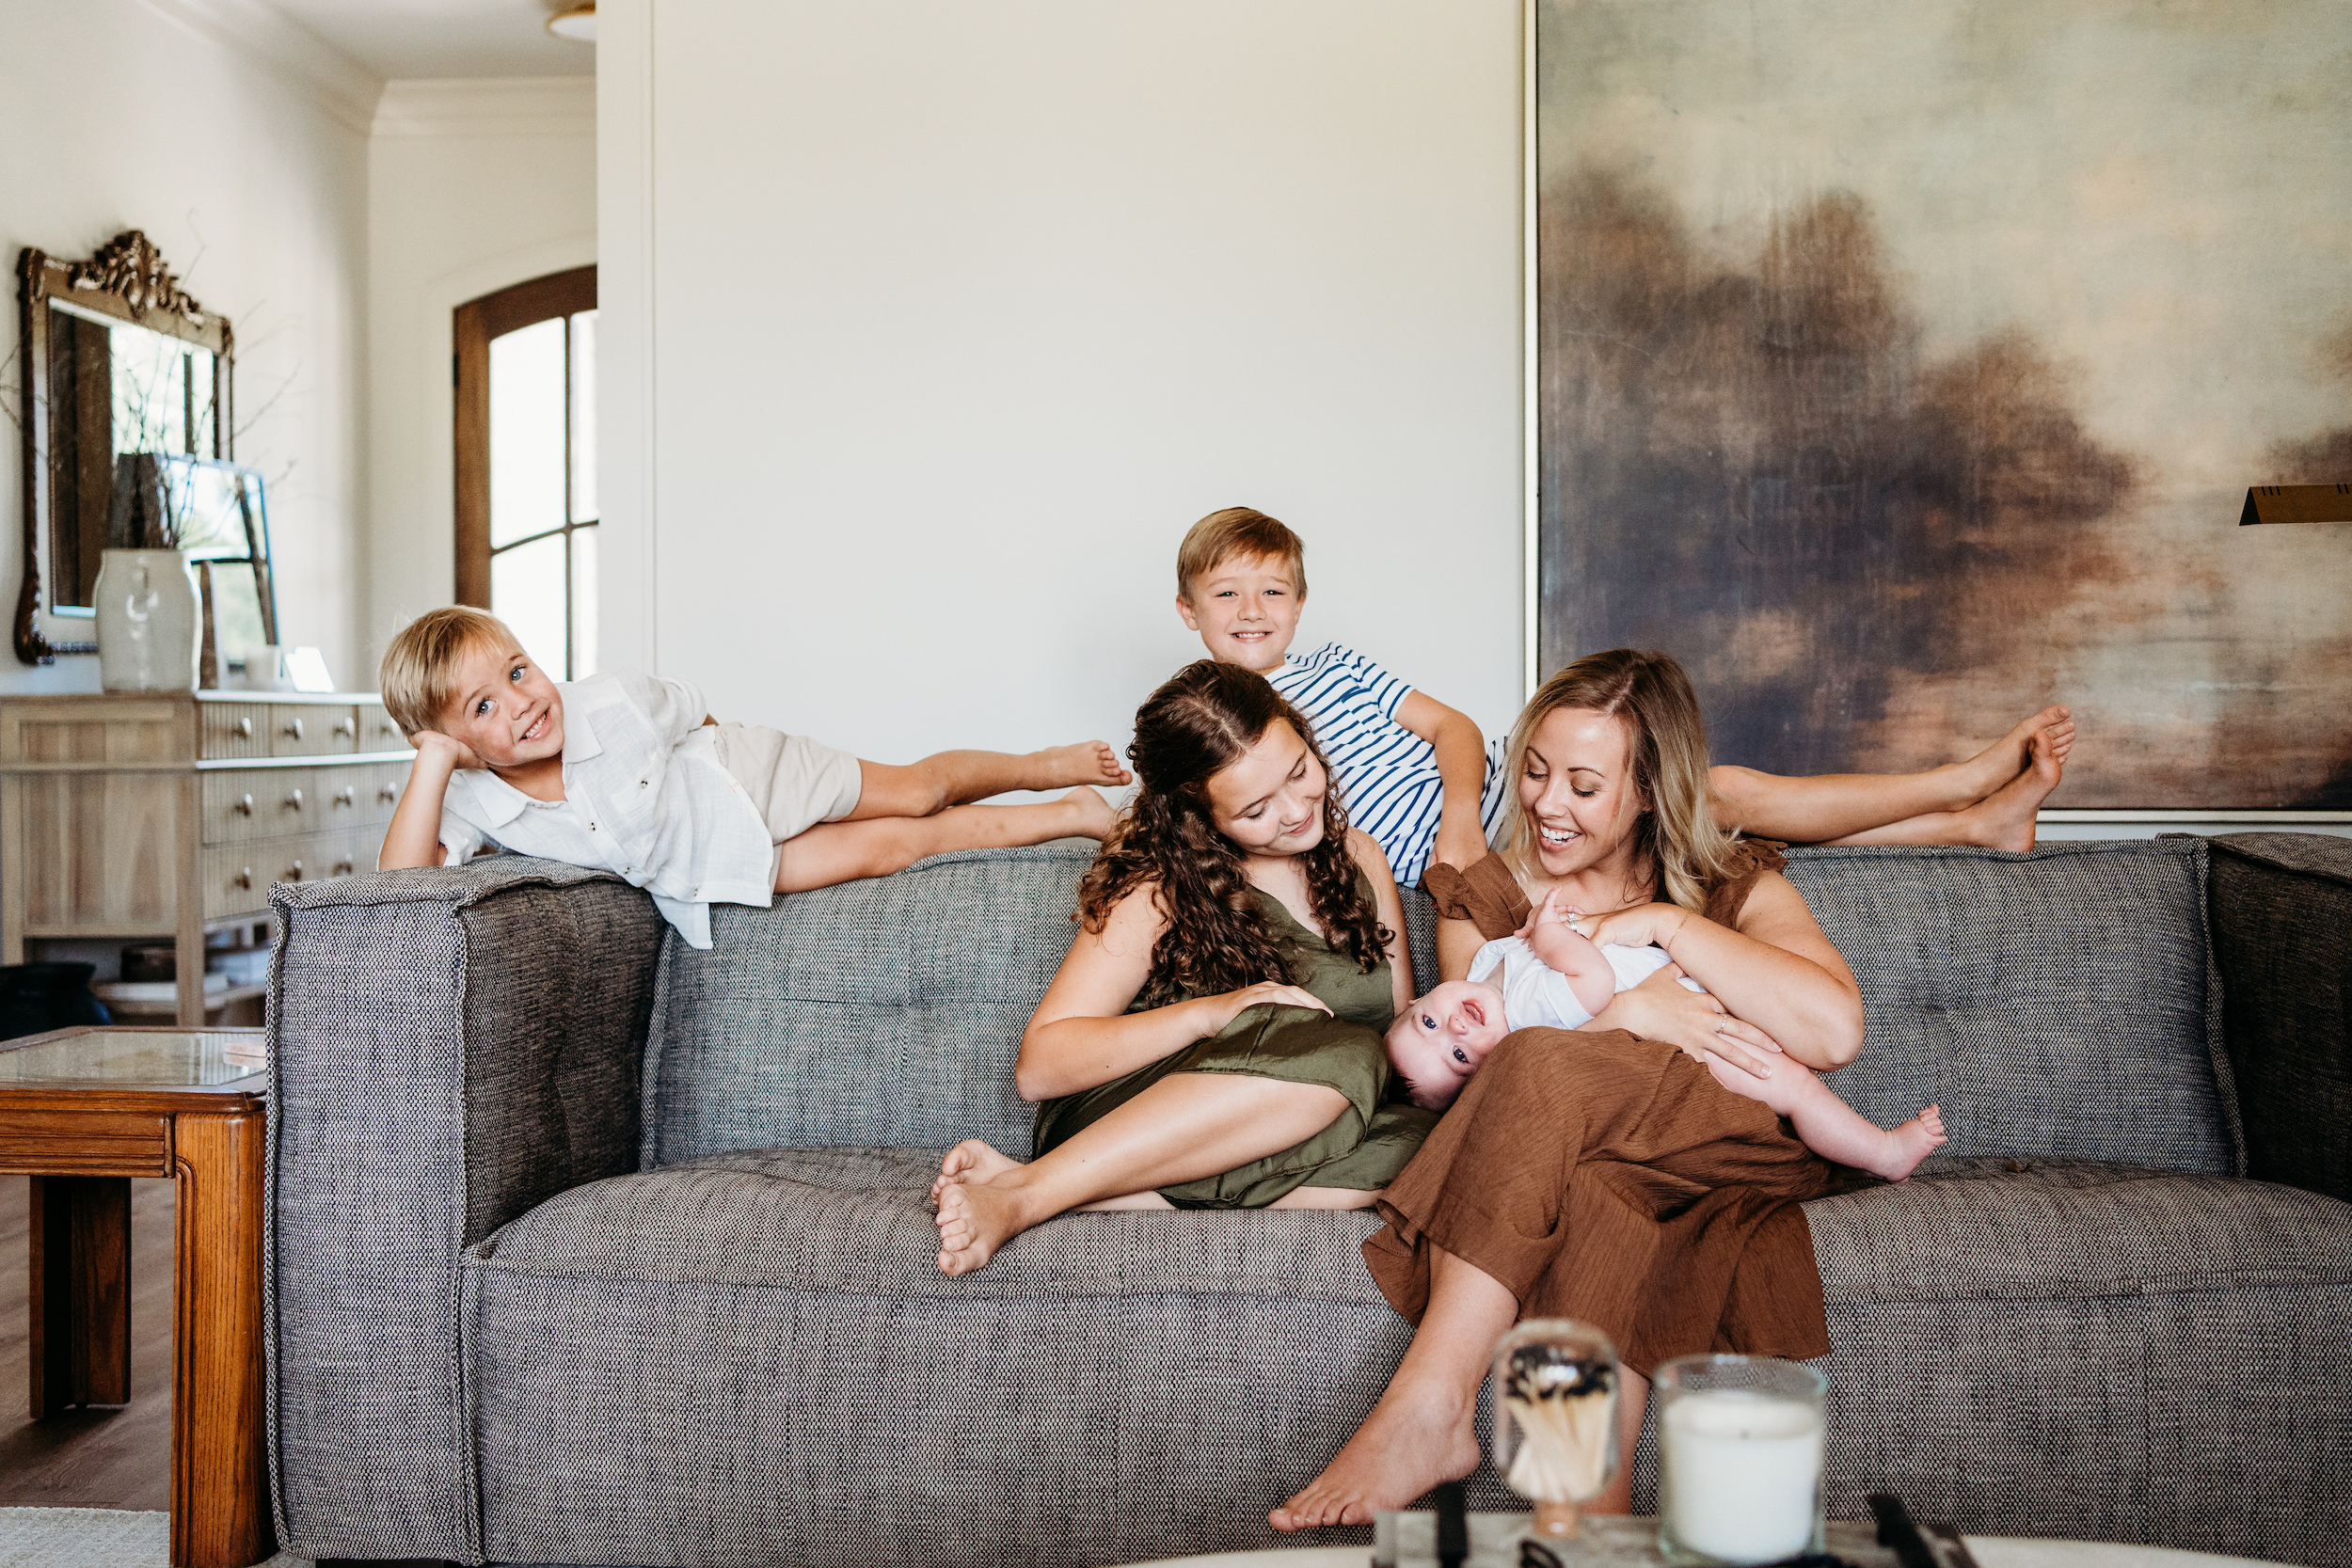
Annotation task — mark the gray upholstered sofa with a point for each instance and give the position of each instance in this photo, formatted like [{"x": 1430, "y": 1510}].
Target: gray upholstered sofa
[{"x": 586, "y": 1247}]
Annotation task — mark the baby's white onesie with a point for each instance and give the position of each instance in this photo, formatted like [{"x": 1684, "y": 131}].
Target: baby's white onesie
[{"x": 1536, "y": 995}]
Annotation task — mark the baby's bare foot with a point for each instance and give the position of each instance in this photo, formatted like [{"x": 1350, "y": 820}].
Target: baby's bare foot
[
  {"x": 1911, "y": 1143},
  {"x": 1410, "y": 1443},
  {"x": 972, "y": 1159},
  {"x": 974, "y": 1219},
  {"x": 2005, "y": 819},
  {"x": 1088, "y": 761},
  {"x": 2009, "y": 757},
  {"x": 1090, "y": 815}
]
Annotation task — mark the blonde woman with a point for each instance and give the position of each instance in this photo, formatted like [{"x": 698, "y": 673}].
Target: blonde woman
[{"x": 1607, "y": 1177}]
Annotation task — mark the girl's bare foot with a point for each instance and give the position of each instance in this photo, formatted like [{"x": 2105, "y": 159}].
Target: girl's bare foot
[
  {"x": 1090, "y": 815},
  {"x": 2005, "y": 819},
  {"x": 973, "y": 1159},
  {"x": 1909, "y": 1143},
  {"x": 1413, "y": 1440},
  {"x": 1997, "y": 764},
  {"x": 978, "y": 1217},
  {"x": 1087, "y": 762}
]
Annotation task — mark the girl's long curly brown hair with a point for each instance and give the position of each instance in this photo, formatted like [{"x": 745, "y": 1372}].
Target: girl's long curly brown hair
[{"x": 1218, "y": 938}]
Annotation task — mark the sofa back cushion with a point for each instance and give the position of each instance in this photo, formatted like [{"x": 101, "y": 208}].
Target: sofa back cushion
[
  {"x": 883, "y": 1013},
  {"x": 2061, "y": 1002}
]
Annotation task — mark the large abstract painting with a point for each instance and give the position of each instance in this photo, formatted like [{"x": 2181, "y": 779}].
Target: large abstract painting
[{"x": 1903, "y": 366}]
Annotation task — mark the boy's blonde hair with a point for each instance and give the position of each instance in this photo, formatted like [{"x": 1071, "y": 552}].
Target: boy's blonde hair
[
  {"x": 420, "y": 672},
  {"x": 1237, "y": 531},
  {"x": 1666, "y": 747}
]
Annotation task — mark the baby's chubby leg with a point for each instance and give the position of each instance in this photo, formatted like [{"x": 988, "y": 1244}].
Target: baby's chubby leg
[
  {"x": 1829, "y": 1126},
  {"x": 956, "y": 778}
]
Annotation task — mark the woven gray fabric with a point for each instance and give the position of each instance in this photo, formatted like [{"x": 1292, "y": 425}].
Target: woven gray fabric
[
  {"x": 879, "y": 1013},
  {"x": 2283, "y": 935},
  {"x": 2070, "y": 1349},
  {"x": 858, "y": 1221},
  {"x": 2057, "y": 1004},
  {"x": 1421, "y": 938},
  {"x": 446, "y": 1048}
]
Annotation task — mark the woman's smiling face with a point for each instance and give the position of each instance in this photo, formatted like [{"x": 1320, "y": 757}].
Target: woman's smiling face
[
  {"x": 1269, "y": 799},
  {"x": 1577, "y": 789}
]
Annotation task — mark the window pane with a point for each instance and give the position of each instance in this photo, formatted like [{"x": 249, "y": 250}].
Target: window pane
[
  {"x": 584, "y": 418},
  {"x": 527, "y": 592},
  {"x": 527, "y": 432},
  {"x": 583, "y": 603}
]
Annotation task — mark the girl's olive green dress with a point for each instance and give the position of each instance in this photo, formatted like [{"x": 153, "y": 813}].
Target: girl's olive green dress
[{"x": 1372, "y": 1138}]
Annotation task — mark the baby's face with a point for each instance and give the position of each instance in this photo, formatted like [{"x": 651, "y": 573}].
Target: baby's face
[{"x": 1441, "y": 1039}]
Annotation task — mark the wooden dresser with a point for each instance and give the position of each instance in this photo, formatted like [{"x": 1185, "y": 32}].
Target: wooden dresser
[{"x": 169, "y": 814}]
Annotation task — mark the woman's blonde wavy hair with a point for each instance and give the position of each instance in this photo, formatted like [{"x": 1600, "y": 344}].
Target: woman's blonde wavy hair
[{"x": 1666, "y": 740}]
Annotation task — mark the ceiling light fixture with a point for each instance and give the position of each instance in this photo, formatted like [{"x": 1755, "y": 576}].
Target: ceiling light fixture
[{"x": 577, "y": 23}]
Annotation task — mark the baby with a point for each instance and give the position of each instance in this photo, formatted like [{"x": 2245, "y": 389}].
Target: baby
[{"x": 1555, "y": 976}]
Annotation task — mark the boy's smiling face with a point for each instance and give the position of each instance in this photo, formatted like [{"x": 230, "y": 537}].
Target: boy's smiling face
[
  {"x": 505, "y": 707},
  {"x": 1246, "y": 609}
]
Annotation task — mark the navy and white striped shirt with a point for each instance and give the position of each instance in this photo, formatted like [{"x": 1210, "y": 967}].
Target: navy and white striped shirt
[{"x": 1387, "y": 775}]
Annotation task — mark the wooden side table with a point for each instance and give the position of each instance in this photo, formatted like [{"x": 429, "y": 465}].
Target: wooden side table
[{"x": 82, "y": 1110}]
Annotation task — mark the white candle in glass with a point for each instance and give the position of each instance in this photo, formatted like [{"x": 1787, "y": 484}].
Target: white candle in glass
[{"x": 1738, "y": 1474}]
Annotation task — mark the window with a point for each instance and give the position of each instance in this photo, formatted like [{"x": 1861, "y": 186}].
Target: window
[{"x": 526, "y": 377}]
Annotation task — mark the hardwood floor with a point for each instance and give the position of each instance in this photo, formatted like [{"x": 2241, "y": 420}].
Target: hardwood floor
[{"x": 91, "y": 1458}]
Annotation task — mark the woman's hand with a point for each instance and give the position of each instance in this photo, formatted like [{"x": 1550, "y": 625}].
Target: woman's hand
[
  {"x": 1643, "y": 925},
  {"x": 1662, "y": 1009},
  {"x": 1221, "y": 1009}
]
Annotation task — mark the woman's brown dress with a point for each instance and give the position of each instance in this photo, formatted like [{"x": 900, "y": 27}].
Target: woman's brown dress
[{"x": 1611, "y": 1178}]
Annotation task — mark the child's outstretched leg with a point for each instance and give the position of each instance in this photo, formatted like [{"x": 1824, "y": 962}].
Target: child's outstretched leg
[
  {"x": 2004, "y": 819},
  {"x": 1830, "y": 1127},
  {"x": 833, "y": 852},
  {"x": 957, "y": 778},
  {"x": 1932, "y": 807}
]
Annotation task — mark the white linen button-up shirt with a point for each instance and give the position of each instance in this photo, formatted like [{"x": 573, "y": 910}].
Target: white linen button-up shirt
[{"x": 643, "y": 798}]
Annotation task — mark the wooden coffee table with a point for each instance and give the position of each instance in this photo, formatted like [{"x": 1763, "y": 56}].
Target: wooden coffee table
[{"x": 82, "y": 1110}]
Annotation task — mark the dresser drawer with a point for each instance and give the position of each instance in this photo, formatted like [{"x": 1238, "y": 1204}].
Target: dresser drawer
[
  {"x": 312, "y": 729},
  {"x": 377, "y": 733},
  {"x": 234, "y": 730},
  {"x": 237, "y": 876},
  {"x": 243, "y": 804}
]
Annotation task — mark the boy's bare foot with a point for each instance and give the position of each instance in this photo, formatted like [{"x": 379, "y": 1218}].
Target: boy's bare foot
[
  {"x": 1413, "y": 1440},
  {"x": 2005, "y": 819},
  {"x": 973, "y": 1159},
  {"x": 1909, "y": 1143},
  {"x": 978, "y": 1217},
  {"x": 1088, "y": 761},
  {"x": 1997, "y": 764},
  {"x": 1090, "y": 815}
]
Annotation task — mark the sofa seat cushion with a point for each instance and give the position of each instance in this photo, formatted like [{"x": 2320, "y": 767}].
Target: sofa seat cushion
[
  {"x": 858, "y": 1221},
  {"x": 1992, "y": 1229}
]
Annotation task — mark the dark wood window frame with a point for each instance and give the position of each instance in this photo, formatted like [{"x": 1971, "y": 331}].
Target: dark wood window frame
[{"x": 475, "y": 322}]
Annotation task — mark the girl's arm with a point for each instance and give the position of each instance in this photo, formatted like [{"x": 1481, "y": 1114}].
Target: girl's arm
[
  {"x": 1082, "y": 1036},
  {"x": 1390, "y": 905},
  {"x": 1461, "y": 775},
  {"x": 1775, "y": 973}
]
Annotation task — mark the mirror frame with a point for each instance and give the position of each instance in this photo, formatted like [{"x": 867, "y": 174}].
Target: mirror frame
[{"x": 128, "y": 281}]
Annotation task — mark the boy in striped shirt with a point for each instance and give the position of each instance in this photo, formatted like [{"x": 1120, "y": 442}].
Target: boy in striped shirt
[{"x": 1419, "y": 777}]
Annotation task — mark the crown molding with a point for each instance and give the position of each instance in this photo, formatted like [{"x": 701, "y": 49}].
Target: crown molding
[
  {"x": 488, "y": 106},
  {"x": 256, "y": 30}
]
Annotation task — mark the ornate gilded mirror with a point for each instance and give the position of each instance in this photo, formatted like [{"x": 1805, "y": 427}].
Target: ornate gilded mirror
[{"x": 126, "y": 393}]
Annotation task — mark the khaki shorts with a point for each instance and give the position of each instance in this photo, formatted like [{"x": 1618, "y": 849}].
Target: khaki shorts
[{"x": 795, "y": 781}]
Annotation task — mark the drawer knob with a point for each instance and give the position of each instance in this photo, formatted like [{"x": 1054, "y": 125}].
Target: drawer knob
[
  {"x": 343, "y": 867},
  {"x": 294, "y": 729},
  {"x": 347, "y": 795},
  {"x": 388, "y": 794},
  {"x": 244, "y": 877},
  {"x": 388, "y": 731},
  {"x": 244, "y": 729},
  {"x": 245, "y": 805},
  {"x": 293, "y": 799},
  {"x": 347, "y": 726},
  {"x": 293, "y": 873}
]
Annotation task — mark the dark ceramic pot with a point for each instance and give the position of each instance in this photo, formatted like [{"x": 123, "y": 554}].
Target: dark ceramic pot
[{"x": 36, "y": 998}]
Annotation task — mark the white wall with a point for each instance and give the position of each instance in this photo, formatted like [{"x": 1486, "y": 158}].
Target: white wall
[
  {"x": 239, "y": 145},
  {"x": 472, "y": 185},
  {"x": 928, "y": 329}
]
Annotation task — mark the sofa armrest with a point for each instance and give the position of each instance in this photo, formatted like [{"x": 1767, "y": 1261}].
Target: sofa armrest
[
  {"x": 448, "y": 1048},
  {"x": 2282, "y": 913}
]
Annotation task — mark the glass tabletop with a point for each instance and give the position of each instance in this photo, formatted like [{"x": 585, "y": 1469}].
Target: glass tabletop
[{"x": 149, "y": 1058}]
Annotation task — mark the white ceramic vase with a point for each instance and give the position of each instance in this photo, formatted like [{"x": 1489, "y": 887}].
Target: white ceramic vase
[{"x": 149, "y": 630}]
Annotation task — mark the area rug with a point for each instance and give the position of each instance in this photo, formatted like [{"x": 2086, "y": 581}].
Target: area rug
[{"x": 93, "y": 1538}]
